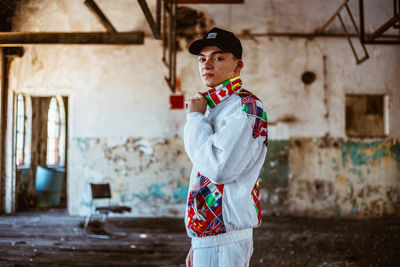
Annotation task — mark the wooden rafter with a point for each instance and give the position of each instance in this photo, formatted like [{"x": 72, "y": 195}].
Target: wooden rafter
[
  {"x": 26, "y": 38},
  {"x": 210, "y": 1}
]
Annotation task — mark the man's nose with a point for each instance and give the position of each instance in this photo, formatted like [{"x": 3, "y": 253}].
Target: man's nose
[{"x": 207, "y": 64}]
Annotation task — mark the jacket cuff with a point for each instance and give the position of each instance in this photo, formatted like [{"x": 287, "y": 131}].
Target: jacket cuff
[{"x": 192, "y": 115}]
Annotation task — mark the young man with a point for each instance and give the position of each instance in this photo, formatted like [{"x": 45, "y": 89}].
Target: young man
[{"x": 225, "y": 137}]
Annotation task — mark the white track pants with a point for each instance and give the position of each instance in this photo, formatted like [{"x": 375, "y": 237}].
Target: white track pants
[{"x": 236, "y": 254}]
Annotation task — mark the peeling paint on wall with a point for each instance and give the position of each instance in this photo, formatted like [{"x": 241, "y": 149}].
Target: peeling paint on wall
[
  {"x": 150, "y": 175},
  {"x": 274, "y": 178},
  {"x": 361, "y": 154},
  {"x": 339, "y": 177},
  {"x": 122, "y": 131}
]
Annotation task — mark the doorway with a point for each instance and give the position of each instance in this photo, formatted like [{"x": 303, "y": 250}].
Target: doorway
[{"x": 40, "y": 127}]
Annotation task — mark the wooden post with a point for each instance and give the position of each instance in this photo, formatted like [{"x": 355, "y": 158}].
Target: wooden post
[{"x": 2, "y": 176}]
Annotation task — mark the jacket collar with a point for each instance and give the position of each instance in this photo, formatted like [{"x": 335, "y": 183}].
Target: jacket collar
[{"x": 221, "y": 92}]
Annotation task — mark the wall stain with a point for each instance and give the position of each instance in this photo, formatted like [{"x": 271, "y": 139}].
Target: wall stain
[
  {"x": 274, "y": 178},
  {"x": 155, "y": 190},
  {"x": 362, "y": 153},
  {"x": 180, "y": 195},
  {"x": 363, "y": 183},
  {"x": 191, "y": 24},
  {"x": 307, "y": 176},
  {"x": 151, "y": 175},
  {"x": 83, "y": 145}
]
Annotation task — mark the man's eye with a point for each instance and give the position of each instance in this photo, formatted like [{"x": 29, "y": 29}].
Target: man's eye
[
  {"x": 219, "y": 58},
  {"x": 202, "y": 59}
]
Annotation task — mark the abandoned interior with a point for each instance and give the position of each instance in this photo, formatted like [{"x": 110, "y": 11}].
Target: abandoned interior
[{"x": 92, "y": 92}]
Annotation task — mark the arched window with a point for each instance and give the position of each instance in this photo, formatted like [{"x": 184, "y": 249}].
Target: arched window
[
  {"x": 53, "y": 133},
  {"x": 56, "y": 132},
  {"x": 21, "y": 130}
]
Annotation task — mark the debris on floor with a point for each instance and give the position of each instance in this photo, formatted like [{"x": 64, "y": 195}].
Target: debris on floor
[{"x": 54, "y": 238}]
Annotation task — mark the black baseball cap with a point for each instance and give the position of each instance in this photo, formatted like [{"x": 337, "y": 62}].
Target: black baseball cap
[{"x": 223, "y": 39}]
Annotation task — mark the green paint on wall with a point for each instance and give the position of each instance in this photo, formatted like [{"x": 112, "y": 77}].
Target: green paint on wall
[
  {"x": 82, "y": 144},
  {"x": 395, "y": 153},
  {"x": 140, "y": 196},
  {"x": 338, "y": 210},
  {"x": 354, "y": 208},
  {"x": 360, "y": 152},
  {"x": 379, "y": 153},
  {"x": 180, "y": 195},
  {"x": 275, "y": 171},
  {"x": 355, "y": 152},
  {"x": 155, "y": 190}
]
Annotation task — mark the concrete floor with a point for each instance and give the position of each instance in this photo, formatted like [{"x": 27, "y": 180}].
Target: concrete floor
[{"x": 54, "y": 238}]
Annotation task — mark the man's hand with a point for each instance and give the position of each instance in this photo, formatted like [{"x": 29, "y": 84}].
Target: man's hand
[
  {"x": 189, "y": 258},
  {"x": 196, "y": 104}
]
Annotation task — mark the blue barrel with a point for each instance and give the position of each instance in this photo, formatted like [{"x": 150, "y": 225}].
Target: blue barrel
[{"x": 48, "y": 186}]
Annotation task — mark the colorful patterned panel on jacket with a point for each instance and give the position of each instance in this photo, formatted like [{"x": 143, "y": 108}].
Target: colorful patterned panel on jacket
[
  {"x": 254, "y": 108},
  {"x": 220, "y": 93},
  {"x": 256, "y": 198},
  {"x": 205, "y": 209}
]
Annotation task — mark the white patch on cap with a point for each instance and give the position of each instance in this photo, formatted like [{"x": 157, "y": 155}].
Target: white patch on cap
[{"x": 212, "y": 35}]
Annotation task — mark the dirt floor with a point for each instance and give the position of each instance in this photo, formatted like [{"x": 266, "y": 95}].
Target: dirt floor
[{"x": 55, "y": 239}]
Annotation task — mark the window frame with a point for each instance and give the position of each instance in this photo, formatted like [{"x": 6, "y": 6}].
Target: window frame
[
  {"x": 23, "y": 164},
  {"x": 385, "y": 117}
]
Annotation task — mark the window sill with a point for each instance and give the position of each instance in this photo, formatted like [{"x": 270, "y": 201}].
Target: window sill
[
  {"x": 23, "y": 167},
  {"x": 56, "y": 168}
]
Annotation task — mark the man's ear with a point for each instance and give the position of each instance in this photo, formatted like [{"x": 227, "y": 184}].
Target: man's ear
[{"x": 239, "y": 65}]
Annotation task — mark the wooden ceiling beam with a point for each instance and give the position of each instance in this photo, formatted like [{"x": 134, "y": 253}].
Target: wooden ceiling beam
[
  {"x": 37, "y": 38},
  {"x": 210, "y": 1}
]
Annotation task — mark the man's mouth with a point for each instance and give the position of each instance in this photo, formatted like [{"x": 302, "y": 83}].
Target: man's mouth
[{"x": 207, "y": 75}]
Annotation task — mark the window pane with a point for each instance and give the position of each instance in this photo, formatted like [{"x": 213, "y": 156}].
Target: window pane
[
  {"x": 20, "y": 125},
  {"x": 365, "y": 115},
  {"x": 53, "y": 133}
]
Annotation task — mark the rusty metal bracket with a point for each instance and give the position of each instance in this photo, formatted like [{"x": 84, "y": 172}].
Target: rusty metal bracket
[
  {"x": 392, "y": 22},
  {"x": 13, "y": 51},
  {"x": 396, "y": 11},
  {"x": 155, "y": 26},
  {"x": 366, "y": 56},
  {"x": 170, "y": 41},
  {"x": 337, "y": 14},
  {"x": 329, "y": 21},
  {"x": 91, "y": 4}
]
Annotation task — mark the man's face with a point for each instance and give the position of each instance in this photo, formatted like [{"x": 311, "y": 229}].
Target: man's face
[{"x": 217, "y": 66}]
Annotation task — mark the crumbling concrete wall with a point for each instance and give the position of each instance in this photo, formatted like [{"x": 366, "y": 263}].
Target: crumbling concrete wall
[
  {"x": 150, "y": 175},
  {"x": 342, "y": 177},
  {"x": 122, "y": 131}
]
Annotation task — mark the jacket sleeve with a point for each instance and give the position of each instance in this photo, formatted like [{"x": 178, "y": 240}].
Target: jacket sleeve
[{"x": 223, "y": 155}]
